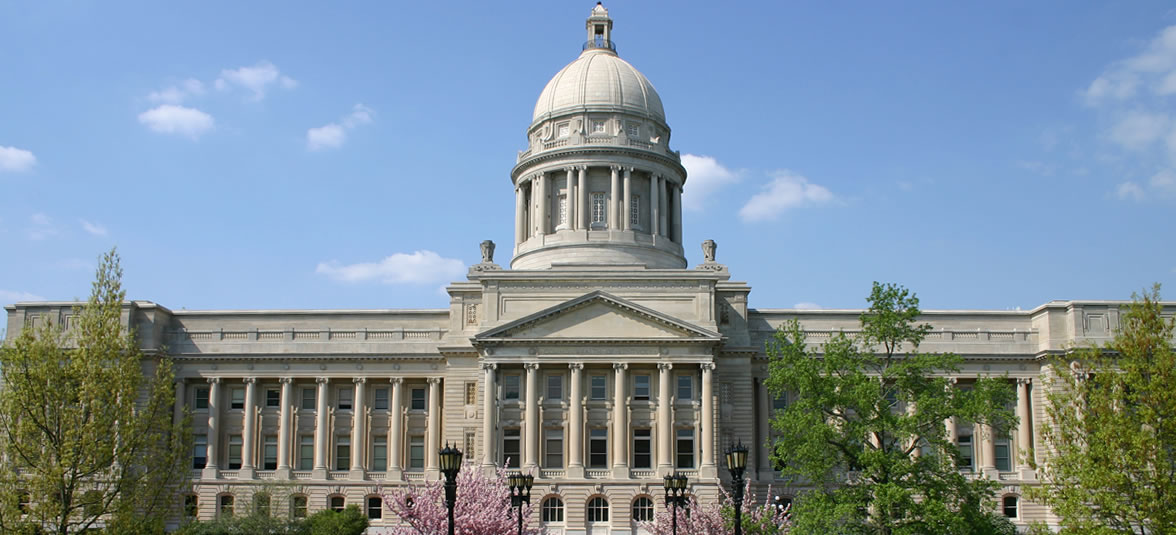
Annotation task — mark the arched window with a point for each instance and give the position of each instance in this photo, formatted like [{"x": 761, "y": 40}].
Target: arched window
[
  {"x": 1010, "y": 504},
  {"x": 337, "y": 503},
  {"x": 552, "y": 510},
  {"x": 225, "y": 505},
  {"x": 598, "y": 509},
  {"x": 191, "y": 505},
  {"x": 375, "y": 508},
  {"x": 298, "y": 506},
  {"x": 643, "y": 509},
  {"x": 261, "y": 504}
]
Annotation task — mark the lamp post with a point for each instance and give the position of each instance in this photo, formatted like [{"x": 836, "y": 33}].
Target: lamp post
[
  {"x": 736, "y": 464},
  {"x": 520, "y": 493},
  {"x": 450, "y": 465},
  {"x": 675, "y": 486}
]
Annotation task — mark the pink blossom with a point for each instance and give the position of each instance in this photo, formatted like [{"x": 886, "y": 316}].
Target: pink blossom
[{"x": 483, "y": 506}]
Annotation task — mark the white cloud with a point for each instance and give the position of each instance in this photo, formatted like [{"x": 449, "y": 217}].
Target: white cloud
[
  {"x": 1129, "y": 191},
  {"x": 258, "y": 79},
  {"x": 8, "y": 297},
  {"x": 1153, "y": 68},
  {"x": 332, "y": 135},
  {"x": 178, "y": 93},
  {"x": 41, "y": 227},
  {"x": 786, "y": 190},
  {"x": 704, "y": 175},
  {"x": 16, "y": 160},
  {"x": 420, "y": 267},
  {"x": 807, "y": 306},
  {"x": 173, "y": 119},
  {"x": 1138, "y": 129},
  {"x": 93, "y": 228},
  {"x": 1165, "y": 181}
]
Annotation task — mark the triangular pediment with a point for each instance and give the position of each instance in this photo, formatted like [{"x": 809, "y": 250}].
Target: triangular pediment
[{"x": 597, "y": 316}]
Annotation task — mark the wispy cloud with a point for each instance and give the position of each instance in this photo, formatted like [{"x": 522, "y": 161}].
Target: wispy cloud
[
  {"x": 1138, "y": 130},
  {"x": 1153, "y": 70},
  {"x": 41, "y": 227},
  {"x": 258, "y": 79},
  {"x": 704, "y": 175},
  {"x": 419, "y": 267},
  {"x": 8, "y": 297},
  {"x": 176, "y": 119},
  {"x": 333, "y": 135},
  {"x": 176, "y": 94},
  {"x": 1040, "y": 168},
  {"x": 93, "y": 228},
  {"x": 786, "y": 191},
  {"x": 1129, "y": 191},
  {"x": 15, "y": 160},
  {"x": 808, "y": 306}
]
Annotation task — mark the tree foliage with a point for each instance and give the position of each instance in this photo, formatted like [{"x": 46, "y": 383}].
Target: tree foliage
[
  {"x": 1111, "y": 429},
  {"x": 865, "y": 426},
  {"x": 719, "y": 518},
  {"x": 349, "y": 521},
  {"x": 86, "y": 431},
  {"x": 482, "y": 508}
]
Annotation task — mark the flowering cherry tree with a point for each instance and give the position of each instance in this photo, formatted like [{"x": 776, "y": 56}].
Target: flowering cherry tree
[
  {"x": 719, "y": 518},
  {"x": 483, "y": 506}
]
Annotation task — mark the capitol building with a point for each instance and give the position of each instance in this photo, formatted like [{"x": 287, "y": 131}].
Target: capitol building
[{"x": 595, "y": 358}]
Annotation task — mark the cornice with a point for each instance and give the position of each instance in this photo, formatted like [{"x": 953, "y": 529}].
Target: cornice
[{"x": 595, "y": 150}]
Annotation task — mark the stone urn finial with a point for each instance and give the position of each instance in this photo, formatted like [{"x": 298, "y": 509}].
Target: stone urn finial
[
  {"x": 487, "y": 252},
  {"x": 708, "y": 251}
]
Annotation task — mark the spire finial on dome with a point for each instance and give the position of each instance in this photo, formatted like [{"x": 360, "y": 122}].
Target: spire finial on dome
[{"x": 599, "y": 27}]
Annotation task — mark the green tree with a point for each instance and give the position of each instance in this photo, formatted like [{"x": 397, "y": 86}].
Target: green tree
[
  {"x": 1111, "y": 429},
  {"x": 864, "y": 427},
  {"x": 349, "y": 521},
  {"x": 86, "y": 431}
]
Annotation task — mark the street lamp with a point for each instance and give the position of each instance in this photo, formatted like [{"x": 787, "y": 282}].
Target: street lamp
[
  {"x": 675, "y": 486},
  {"x": 520, "y": 493},
  {"x": 736, "y": 464},
  {"x": 450, "y": 465}
]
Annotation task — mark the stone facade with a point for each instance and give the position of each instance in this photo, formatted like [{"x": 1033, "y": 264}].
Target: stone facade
[{"x": 600, "y": 361}]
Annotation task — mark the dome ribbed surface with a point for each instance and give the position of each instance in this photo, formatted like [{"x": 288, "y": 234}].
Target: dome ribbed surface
[{"x": 599, "y": 80}]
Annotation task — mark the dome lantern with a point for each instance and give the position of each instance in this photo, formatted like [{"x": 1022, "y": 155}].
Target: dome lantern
[{"x": 599, "y": 30}]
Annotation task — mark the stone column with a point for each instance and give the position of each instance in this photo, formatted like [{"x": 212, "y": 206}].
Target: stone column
[
  {"x": 575, "y": 423},
  {"x": 247, "y": 428},
  {"x": 285, "y": 428},
  {"x": 614, "y": 199},
  {"x": 665, "y": 420},
  {"x": 662, "y": 228},
  {"x": 531, "y": 415},
  {"x": 571, "y": 200},
  {"x": 677, "y": 198},
  {"x": 763, "y": 420},
  {"x": 433, "y": 425},
  {"x": 214, "y": 395},
  {"x": 1024, "y": 427},
  {"x": 489, "y": 411},
  {"x": 620, "y": 415},
  {"x": 178, "y": 405},
  {"x": 584, "y": 208},
  {"x": 708, "y": 422},
  {"x": 654, "y": 205},
  {"x": 542, "y": 205},
  {"x": 626, "y": 200},
  {"x": 322, "y": 435},
  {"x": 986, "y": 454},
  {"x": 359, "y": 428},
  {"x": 520, "y": 223},
  {"x": 396, "y": 430}
]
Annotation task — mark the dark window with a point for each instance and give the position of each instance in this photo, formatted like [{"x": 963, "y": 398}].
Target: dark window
[
  {"x": 418, "y": 399},
  {"x": 298, "y": 506},
  {"x": 553, "y": 448},
  {"x": 510, "y": 387},
  {"x": 200, "y": 402},
  {"x": 641, "y": 387},
  {"x": 554, "y": 387},
  {"x": 599, "y": 388},
  {"x": 235, "y": 452},
  {"x": 416, "y": 452},
  {"x": 199, "y": 451},
  {"x": 966, "y": 454},
  {"x": 598, "y": 510},
  {"x": 306, "y": 452},
  {"x": 237, "y": 398},
  {"x": 643, "y": 509},
  {"x": 191, "y": 505},
  {"x": 342, "y": 453},
  {"x": 375, "y": 508},
  {"x": 309, "y": 399},
  {"x": 598, "y": 448},
  {"x": 24, "y": 502},
  {"x": 642, "y": 449},
  {"x": 1003, "y": 461},
  {"x": 780, "y": 402},
  {"x": 685, "y": 387},
  {"x": 685, "y": 448},
  {"x": 273, "y": 398},
  {"x": 270, "y": 454},
  {"x": 226, "y": 505},
  {"x": 346, "y": 397},
  {"x": 510, "y": 448},
  {"x": 1010, "y": 506},
  {"x": 553, "y": 510},
  {"x": 337, "y": 503},
  {"x": 379, "y": 453},
  {"x": 381, "y": 401}
]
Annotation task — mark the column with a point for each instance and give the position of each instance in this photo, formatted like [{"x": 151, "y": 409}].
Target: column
[
  {"x": 213, "y": 427},
  {"x": 531, "y": 415},
  {"x": 542, "y": 205},
  {"x": 285, "y": 428},
  {"x": 358, "y": 428},
  {"x": 433, "y": 447},
  {"x": 708, "y": 421},
  {"x": 626, "y": 200},
  {"x": 575, "y": 423},
  {"x": 248, "y": 429},
  {"x": 677, "y": 198},
  {"x": 662, "y": 228},
  {"x": 665, "y": 420},
  {"x": 614, "y": 199},
  {"x": 986, "y": 455},
  {"x": 395, "y": 430},
  {"x": 178, "y": 406},
  {"x": 620, "y": 415},
  {"x": 489, "y": 411},
  {"x": 571, "y": 199},
  {"x": 763, "y": 420},
  {"x": 654, "y": 205},
  {"x": 520, "y": 224},
  {"x": 583, "y": 200},
  {"x": 321, "y": 433},
  {"x": 1024, "y": 427}
]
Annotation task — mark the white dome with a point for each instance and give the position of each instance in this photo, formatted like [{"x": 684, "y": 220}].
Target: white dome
[{"x": 599, "y": 81}]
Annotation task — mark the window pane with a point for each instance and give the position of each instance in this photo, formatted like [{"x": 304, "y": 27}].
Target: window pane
[
  {"x": 553, "y": 450},
  {"x": 418, "y": 399},
  {"x": 381, "y": 399},
  {"x": 345, "y": 398},
  {"x": 309, "y": 400},
  {"x": 273, "y": 398},
  {"x": 234, "y": 452},
  {"x": 298, "y": 506},
  {"x": 553, "y": 510},
  {"x": 199, "y": 451},
  {"x": 237, "y": 396},
  {"x": 270, "y": 454},
  {"x": 342, "y": 453},
  {"x": 1010, "y": 506},
  {"x": 337, "y": 503},
  {"x": 598, "y": 210},
  {"x": 510, "y": 448},
  {"x": 685, "y": 387},
  {"x": 599, "y": 390},
  {"x": 554, "y": 387},
  {"x": 200, "y": 402},
  {"x": 375, "y": 508},
  {"x": 416, "y": 452},
  {"x": 598, "y": 448},
  {"x": 642, "y": 456},
  {"x": 685, "y": 448},
  {"x": 634, "y": 210},
  {"x": 1003, "y": 462},
  {"x": 306, "y": 452},
  {"x": 643, "y": 510},
  {"x": 598, "y": 510},
  {"x": 965, "y": 445},
  {"x": 641, "y": 387},
  {"x": 510, "y": 387},
  {"x": 379, "y": 454}
]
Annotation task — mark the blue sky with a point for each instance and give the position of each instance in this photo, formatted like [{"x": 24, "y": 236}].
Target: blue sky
[{"x": 327, "y": 155}]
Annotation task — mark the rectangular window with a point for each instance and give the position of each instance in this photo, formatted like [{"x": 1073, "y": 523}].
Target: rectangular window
[
  {"x": 273, "y": 397},
  {"x": 270, "y": 453},
  {"x": 634, "y": 210},
  {"x": 416, "y": 452},
  {"x": 236, "y": 398},
  {"x": 598, "y": 448},
  {"x": 634, "y": 130},
  {"x": 554, "y": 387},
  {"x": 200, "y": 399},
  {"x": 346, "y": 398},
  {"x": 562, "y": 130},
  {"x": 597, "y": 127},
  {"x": 199, "y": 451},
  {"x": 966, "y": 454},
  {"x": 510, "y": 387},
  {"x": 642, "y": 449},
  {"x": 598, "y": 388},
  {"x": 510, "y": 448},
  {"x": 381, "y": 399},
  {"x": 379, "y": 453},
  {"x": 780, "y": 402},
  {"x": 1003, "y": 461},
  {"x": 685, "y": 387},
  {"x": 685, "y": 448},
  {"x": 471, "y": 393},
  {"x": 469, "y": 445},
  {"x": 598, "y": 209},
  {"x": 553, "y": 449},
  {"x": 342, "y": 452},
  {"x": 418, "y": 399},
  {"x": 641, "y": 387},
  {"x": 563, "y": 209},
  {"x": 306, "y": 452},
  {"x": 235, "y": 452},
  {"x": 309, "y": 399}
]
